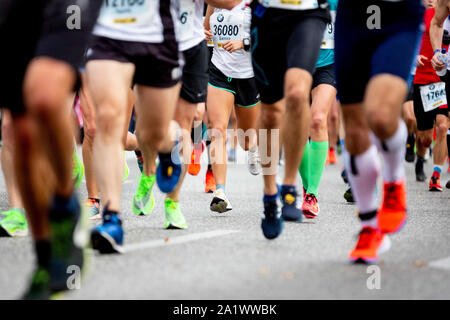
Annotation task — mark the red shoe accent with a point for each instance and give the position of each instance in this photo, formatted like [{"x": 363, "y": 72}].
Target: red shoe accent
[
  {"x": 310, "y": 206},
  {"x": 435, "y": 182},
  {"x": 392, "y": 215},
  {"x": 195, "y": 167},
  {"x": 332, "y": 159}
]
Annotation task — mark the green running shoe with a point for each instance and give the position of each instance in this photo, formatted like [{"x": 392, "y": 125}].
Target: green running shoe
[
  {"x": 14, "y": 224},
  {"x": 126, "y": 169},
  {"x": 144, "y": 200},
  {"x": 40, "y": 285},
  {"x": 78, "y": 169},
  {"x": 174, "y": 217}
]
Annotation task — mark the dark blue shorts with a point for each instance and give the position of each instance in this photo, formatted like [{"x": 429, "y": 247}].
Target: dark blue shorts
[{"x": 361, "y": 52}]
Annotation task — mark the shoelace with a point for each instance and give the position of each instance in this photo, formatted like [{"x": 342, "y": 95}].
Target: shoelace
[
  {"x": 310, "y": 198},
  {"x": 253, "y": 157}
]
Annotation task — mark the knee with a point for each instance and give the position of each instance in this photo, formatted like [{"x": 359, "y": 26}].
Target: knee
[
  {"x": 425, "y": 139},
  {"x": 218, "y": 131},
  {"x": 44, "y": 103},
  {"x": 319, "y": 122},
  {"x": 271, "y": 118},
  {"x": 109, "y": 121},
  {"x": 441, "y": 130},
  {"x": 297, "y": 97}
]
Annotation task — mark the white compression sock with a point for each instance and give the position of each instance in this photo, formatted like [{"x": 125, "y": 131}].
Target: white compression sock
[
  {"x": 393, "y": 152},
  {"x": 363, "y": 171}
]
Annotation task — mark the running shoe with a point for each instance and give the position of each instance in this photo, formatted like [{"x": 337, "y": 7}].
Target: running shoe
[
  {"x": 68, "y": 239},
  {"x": 435, "y": 182},
  {"x": 77, "y": 170},
  {"x": 108, "y": 237},
  {"x": 254, "y": 162},
  {"x": 144, "y": 199},
  {"x": 126, "y": 168},
  {"x": 272, "y": 222},
  {"x": 169, "y": 171},
  {"x": 93, "y": 208},
  {"x": 39, "y": 288},
  {"x": 331, "y": 156},
  {"x": 410, "y": 155},
  {"x": 392, "y": 215},
  {"x": 447, "y": 185},
  {"x": 348, "y": 195},
  {"x": 14, "y": 224},
  {"x": 195, "y": 166},
  {"x": 290, "y": 210},
  {"x": 232, "y": 155},
  {"x": 210, "y": 183},
  {"x": 371, "y": 243},
  {"x": 310, "y": 206},
  {"x": 174, "y": 217},
  {"x": 220, "y": 202},
  {"x": 420, "y": 173}
]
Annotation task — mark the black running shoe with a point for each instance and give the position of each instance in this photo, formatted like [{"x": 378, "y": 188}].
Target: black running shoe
[
  {"x": 420, "y": 173},
  {"x": 348, "y": 195},
  {"x": 410, "y": 154}
]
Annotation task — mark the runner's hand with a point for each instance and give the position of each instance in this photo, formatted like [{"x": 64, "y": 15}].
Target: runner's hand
[
  {"x": 233, "y": 45},
  {"x": 420, "y": 59},
  {"x": 437, "y": 65},
  {"x": 208, "y": 35}
]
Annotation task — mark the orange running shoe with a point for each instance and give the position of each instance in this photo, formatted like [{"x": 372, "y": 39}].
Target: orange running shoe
[
  {"x": 194, "y": 167},
  {"x": 310, "y": 206},
  {"x": 331, "y": 157},
  {"x": 371, "y": 243},
  {"x": 210, "y": 183},
  {"x": 392, "y": 215}
]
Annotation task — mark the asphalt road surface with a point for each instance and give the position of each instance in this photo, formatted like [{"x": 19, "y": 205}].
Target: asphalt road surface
[{"x": 226, "y": 256}]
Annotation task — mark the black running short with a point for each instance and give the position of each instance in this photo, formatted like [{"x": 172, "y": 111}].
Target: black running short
[
  {"x": 58, "y": 29},
  {"x": 157, "y": 64},
  {"x": 284, "y": 39},
  {"x": 245, "y": 90},
  {"x": 195, "y": 74},
  {"x": 388, "y": 48},
  {"x": 425, "y": 120},
  {"x": 324, "y": 75}
]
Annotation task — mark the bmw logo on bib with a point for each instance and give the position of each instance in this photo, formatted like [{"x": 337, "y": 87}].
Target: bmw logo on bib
[{"x": 220, "y": 17}]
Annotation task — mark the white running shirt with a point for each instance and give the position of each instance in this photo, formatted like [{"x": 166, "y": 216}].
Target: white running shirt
[
  {"x": 290, "y": 4},
  {"x": 191, "y": 23},
  {"x": 134, "y": 20},
  {"x": 227, "y": 25}
]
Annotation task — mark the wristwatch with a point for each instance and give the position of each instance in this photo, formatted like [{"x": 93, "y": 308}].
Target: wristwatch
[{"x": 246, "y": 44}]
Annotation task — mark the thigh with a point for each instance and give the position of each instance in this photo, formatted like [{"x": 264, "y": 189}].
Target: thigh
[
  {"x": 109, "y": 83},
  {"x": 247, "y": 117},
  {"x": 155, "y": 106},
  {"x": 323, "y": 98},
  {"x": 87, "y": 106},
  {"x": 304, "y": 43},
  {"x": 220, "y": 102}
]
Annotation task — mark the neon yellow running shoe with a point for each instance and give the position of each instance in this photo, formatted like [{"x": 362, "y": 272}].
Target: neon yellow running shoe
[
  {"x": 174, "y": 217},
  {"x": 78, "y": 169},
  {"x": 144, "y": 200},
  {"x": 126, "y": 168},
  {"x": 14, "y": 224}
]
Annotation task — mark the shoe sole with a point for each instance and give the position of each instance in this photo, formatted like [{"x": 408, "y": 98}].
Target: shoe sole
[
  {"x": 18, "y": 233},
  {"x": 219, "y": 207},
  {"x": 384, "y": 247},
  {"x": 174, "y": 227},
  {"x": 435, "y": 189},
  {"x": 104, "y": 243},
  {"x": 309, "y": 215}
]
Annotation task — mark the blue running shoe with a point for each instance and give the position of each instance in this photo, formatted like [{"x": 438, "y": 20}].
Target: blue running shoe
[
  {"x": 108, "y": 237},
  {"x": 169, "y": 171},
  {"x": 290, "y": 210},
  {"x": 272, "y": 222}
]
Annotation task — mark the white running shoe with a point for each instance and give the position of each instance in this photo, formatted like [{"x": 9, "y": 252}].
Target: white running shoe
[
  {"x": 253, "y": 161},
  {"x": 220, "y": 202}
]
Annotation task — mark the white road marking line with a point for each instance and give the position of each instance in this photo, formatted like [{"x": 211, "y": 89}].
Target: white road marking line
[
  {"x": 177, "y": 240},
  {"x": 441, "y": 264}
]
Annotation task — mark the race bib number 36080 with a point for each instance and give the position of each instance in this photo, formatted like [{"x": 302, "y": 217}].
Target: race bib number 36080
[{"x": 433, "y": 96}]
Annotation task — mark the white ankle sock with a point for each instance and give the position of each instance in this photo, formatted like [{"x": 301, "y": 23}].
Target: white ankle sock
[
  {"x": 393, "y": 152},
  {"x": 363, "y": 171}
]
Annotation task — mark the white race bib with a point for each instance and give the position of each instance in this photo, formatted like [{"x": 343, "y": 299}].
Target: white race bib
[
  {"x": 433, "y": 96},
  {"x": 291, "y": 4},
  {"x": 226, "y": 26},
  {"x": 187, "y": 16},
  {"x": 129, "y": 13},
  {"x": 328, "y": 37}
]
